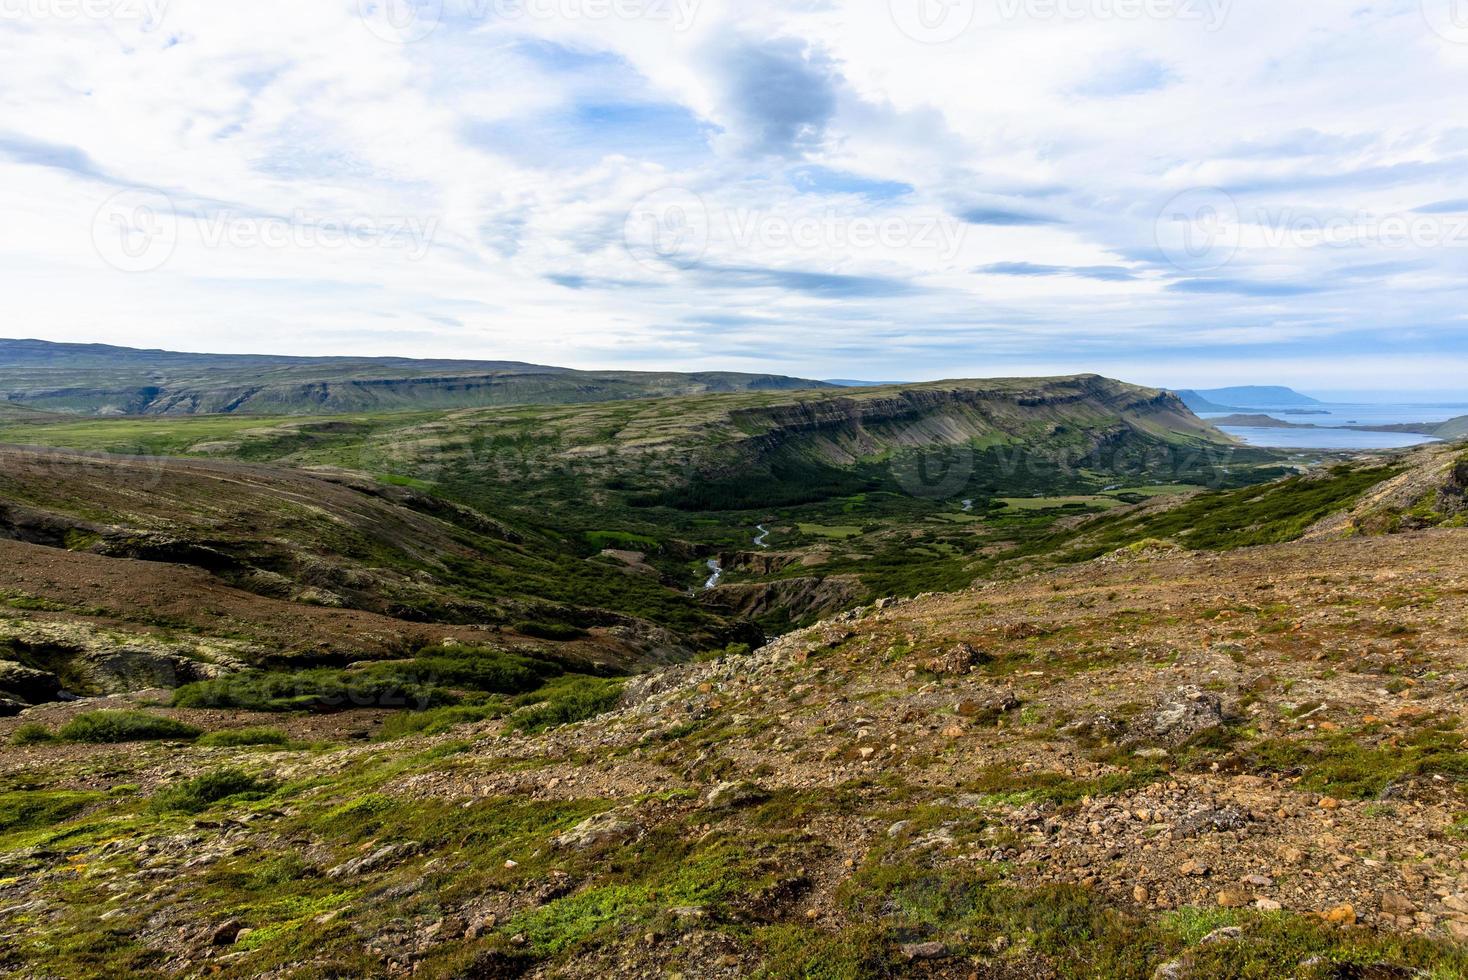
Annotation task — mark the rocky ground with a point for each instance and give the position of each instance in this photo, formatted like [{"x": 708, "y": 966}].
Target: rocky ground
[{"x": 1155, "y": 764}]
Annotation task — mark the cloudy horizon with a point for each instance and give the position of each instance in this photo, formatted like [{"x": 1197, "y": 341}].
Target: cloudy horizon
[{"x": 1184, "y": 193}]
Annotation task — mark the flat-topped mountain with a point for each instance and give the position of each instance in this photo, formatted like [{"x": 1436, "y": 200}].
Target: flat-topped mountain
[
  {"x": 96, "y": 379},
  {"x": 1246, "y": 397}
]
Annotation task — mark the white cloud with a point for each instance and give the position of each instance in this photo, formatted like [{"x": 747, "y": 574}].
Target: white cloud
[{"x": 487, "y": 169}]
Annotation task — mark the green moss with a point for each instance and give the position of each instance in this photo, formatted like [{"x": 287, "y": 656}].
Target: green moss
[
  {"x": 664, "y": 872},
  {"x": 39, "y": 809},
  {"x": 1341, "y": 765},
  {"x": 1005, "y": 785},
  {"x": 793, "y": 952}
]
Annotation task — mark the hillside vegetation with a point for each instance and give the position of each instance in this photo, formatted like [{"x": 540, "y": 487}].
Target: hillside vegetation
[{"x": 647, "y": 491}]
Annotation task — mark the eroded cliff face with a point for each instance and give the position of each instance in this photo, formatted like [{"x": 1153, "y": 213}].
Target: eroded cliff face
[
  {"x": 796, "y": 598},
  {"x": 1088, "y": 409}
]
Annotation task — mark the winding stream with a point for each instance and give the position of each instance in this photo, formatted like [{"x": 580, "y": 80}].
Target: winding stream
[
  {"x": 716, "y": 570},
  {"x": 718, "y": 573}
]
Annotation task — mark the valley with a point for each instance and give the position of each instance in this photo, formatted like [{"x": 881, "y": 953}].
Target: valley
[
  {"x": 910, "y": 680},
  {"x": 848, "y": 485}
]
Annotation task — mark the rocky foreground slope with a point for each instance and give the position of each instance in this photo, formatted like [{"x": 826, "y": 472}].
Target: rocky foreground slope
[{"x": 1154, "y": 764}]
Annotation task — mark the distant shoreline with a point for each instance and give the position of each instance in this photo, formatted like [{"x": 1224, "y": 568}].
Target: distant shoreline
[{"x": 1452, "y": 428}]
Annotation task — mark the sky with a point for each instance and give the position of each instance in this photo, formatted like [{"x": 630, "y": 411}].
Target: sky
[{"x": 1184, "y": 193}]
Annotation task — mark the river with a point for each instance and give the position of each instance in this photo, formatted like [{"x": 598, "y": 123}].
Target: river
[{"x": 716, "y": 570}]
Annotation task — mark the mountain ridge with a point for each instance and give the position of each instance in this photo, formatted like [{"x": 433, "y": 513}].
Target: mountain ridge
[{"x": 100, "y": 379}]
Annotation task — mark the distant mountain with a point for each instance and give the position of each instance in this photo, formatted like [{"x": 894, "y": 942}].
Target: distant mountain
[
  {"x": 96, "y": 379},
  {"x": 1453, "y": 428},
  {"x": 1248, "y": 396},
  {"x": 847, "y": 383},
  {"x": 1198, "y": 403}
]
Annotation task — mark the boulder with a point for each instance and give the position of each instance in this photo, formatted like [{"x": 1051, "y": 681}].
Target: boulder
[
  {"x": 21, "y": 683},
  {"x": 378, "y": 859},
  {"x": 924, "y": 951},
  {"x": 732, "y": 796},
  {"x": 226, "y": 932},
  {"x": 957, "y": 660},
  {"x": 604, "y": 828},
  {"x": 1187, "y": 714}
]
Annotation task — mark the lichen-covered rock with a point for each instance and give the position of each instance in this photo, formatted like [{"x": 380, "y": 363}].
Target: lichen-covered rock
[
  {"x": 611, "y": 827},
  {"x": 732, "y": 796},
  {"x": 1191, "y": 711}
]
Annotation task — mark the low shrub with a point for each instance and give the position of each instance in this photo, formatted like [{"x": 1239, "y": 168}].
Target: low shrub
[
  {"x": 31, "y": 734},
  {"x": 202, "y": 792},
  {"x": 437, "y": 720},
  {"x": 429, "y": 680},
  {"x": 381, "y": 686},
  {"x": 565, "y": 702},
  {"x": 487, "y": 670},
  {"x": 550, "y": 631},
  {"x": 244, "y": 737},
  {"x": 125, "y": 726}
]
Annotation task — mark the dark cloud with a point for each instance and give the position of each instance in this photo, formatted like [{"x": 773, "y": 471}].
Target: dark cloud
[{"x": 781, "y": 94}]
